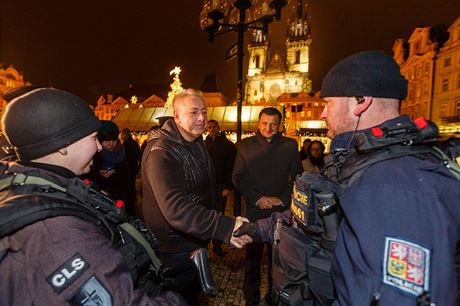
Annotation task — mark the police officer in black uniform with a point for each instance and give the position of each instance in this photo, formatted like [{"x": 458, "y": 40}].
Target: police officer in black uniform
[
  {"x": 71, "y": 251},
  {"x": 398, "y": 241}
]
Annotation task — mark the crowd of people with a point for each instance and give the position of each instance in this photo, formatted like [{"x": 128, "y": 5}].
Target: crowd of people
[{"x": 376, "y": 221}]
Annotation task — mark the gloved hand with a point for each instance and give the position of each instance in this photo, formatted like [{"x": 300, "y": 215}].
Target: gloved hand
[{"x": 249, "y": 228}]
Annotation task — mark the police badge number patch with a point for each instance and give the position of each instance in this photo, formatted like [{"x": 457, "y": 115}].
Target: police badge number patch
[
  {"x": 406, "y": 266},
  {"x": 91, "y": 293}
]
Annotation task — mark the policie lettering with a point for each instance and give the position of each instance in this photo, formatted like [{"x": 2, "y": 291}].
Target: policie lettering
[
  {"x": 298, "y": 203},
  {"x": 66, "y": 274}
]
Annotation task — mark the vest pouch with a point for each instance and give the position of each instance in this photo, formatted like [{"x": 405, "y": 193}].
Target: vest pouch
[
  {"x": 319, "y": 274},
  {"x": 292, "y": 284}
]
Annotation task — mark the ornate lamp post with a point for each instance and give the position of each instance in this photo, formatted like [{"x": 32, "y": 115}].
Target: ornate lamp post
[{"x": 222, "y": 16}]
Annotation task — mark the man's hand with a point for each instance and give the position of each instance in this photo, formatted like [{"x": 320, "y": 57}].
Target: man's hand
[
  {"x": 241, "y": 241},
  {"x": 106, "y": 173},
  {"x": 225, "y": 192},
  {"x": 251, "y": 229},
  {"x": 275, "y": 201},
  {"x": 268, "y": 202}
]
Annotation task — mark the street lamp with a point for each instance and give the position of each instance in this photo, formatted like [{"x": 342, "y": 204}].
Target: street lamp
[{"x": 218, "y": 17}]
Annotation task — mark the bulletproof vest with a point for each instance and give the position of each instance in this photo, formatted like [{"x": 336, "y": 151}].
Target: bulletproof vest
[
  {"x": 302, "y": 251},
  {"x": 32, "y": 198}
]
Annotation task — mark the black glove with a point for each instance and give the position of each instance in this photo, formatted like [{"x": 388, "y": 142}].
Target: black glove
[{"x": 250, "y": 229}]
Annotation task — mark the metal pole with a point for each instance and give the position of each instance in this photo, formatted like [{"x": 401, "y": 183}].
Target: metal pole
[{"x": 239, "y": 97}]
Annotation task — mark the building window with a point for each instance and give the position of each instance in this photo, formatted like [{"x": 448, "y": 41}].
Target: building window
[
  {"x": 416, "y": 47},
  {"x": 457, "y": 108},
  {"x": 445, "y": 85},
  {"x": 447, "y": 62},
  {"x": 257, "y": 60},
  {"x": 427, "y": 67},
  {"x": 309, "y": 114},
  {"x": 443, "y": 110},
  {"x": 418, "y": 91},
  {"x": 255, "y": 92},
  {"x": 425, "y": 89},
  {"x": 297, "y": 57}
]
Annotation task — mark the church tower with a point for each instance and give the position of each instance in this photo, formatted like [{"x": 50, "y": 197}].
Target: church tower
[
  {"x": 258, "y": 53},
  {"x": 298, "y": 47},
  {"x": 258, "y": 49},
  {"x": 272, "y": 71}
]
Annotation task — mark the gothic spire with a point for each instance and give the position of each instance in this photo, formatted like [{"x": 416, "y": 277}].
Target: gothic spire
[{"x": 299, "y": 25}]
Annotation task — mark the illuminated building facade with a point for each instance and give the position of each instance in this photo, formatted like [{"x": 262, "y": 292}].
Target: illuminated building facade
[
  {"x": 430, "y": 61},
  {"x": 10, "y": 78},
  {"x": 447, "y": 83},
  {"x": 272, "y": 72}
]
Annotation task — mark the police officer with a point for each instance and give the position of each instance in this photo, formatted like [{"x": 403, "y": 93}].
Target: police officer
[
  {"x": 62, "y": 258},
  {"x": 399, "y": 235}
]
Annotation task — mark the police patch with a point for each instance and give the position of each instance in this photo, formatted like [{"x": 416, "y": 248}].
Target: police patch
[
  {"x": 66, "y": 274},
  {"x": 92, "y": 293},
  {"x": 406, "y": 266}
]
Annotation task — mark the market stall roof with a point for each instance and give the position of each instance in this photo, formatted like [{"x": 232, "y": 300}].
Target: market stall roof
[
  {"x": 141, "y": 119},
  {"x": 313, "y": 127}
]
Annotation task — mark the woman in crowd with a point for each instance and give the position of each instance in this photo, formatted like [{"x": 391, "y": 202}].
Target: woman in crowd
[{"x": 315, "y": 160}]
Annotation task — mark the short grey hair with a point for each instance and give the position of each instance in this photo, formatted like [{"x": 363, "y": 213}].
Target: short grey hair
[{"x": 189, "y": 92}]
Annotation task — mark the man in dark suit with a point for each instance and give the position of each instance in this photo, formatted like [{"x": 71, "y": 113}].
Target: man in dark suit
[
  {"x": 222, "y": 152},
  {"x": 265, "y": 167}
]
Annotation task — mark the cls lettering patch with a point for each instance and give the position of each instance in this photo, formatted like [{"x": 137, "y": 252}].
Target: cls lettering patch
[
  {"x": 406, "y": 266},
  {"x": 92, "y": 293},
  {"x": 67, "y": 273}
]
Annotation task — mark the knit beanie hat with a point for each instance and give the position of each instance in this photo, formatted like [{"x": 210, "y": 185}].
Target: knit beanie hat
[
  {"x": 370, "y": 73},
  {"x": 45, "y": 120},
  {"x": 108, "y": 131}
]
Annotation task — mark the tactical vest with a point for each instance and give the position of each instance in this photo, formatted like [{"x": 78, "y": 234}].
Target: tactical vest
[
  {"x": 303, "y": 250},
  {"x": 36, "y": 198}
]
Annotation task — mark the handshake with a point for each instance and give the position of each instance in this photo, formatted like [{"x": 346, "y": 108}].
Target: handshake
[{"x": 244, "y": 232}]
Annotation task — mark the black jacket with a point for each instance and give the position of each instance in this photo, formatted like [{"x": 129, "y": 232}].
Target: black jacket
[
  {"x": 265, "y": 168},
  {"x": 178, "y": 193},
  {"x": 222, "y": 152}
]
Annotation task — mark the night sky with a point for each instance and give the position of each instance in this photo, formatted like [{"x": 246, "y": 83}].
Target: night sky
[{"x": 98, "y": 47}]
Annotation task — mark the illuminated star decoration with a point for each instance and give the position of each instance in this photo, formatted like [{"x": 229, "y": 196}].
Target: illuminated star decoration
[{"x": 176, "y": 86}]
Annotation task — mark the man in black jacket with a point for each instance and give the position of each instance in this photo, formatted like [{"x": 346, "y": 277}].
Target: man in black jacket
[
  {"x": 222, "y": 152},
  {"x": 178, "y": 191},
  {"x": 265, "y": 167}
]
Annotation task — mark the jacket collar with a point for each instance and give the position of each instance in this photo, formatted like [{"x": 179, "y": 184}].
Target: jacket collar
[
  {"x": 275, "y": 137},
  {"x": 170, "y": 131},
  {"x": 346, "y": 140}
]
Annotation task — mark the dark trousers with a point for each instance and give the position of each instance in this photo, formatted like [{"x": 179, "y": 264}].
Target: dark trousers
[{"x": 252, "y": 267}]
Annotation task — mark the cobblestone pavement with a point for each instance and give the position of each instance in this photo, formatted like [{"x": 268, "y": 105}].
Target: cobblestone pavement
[{"x": 228, "y": 274}]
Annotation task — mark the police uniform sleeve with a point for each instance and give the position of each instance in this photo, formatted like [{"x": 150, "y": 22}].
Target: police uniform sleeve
[
  {"x": 399, "y": 236},
  {"x": 70, "y": 261}
]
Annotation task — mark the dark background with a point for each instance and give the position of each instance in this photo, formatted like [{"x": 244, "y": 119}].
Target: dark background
[{"x": 98, "y": 47}]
